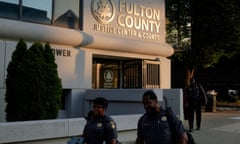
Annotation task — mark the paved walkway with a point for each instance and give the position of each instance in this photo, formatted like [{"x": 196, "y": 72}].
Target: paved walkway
[{"x": 221, "y": 127}]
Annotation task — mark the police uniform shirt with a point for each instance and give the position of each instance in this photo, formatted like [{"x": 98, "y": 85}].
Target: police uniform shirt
[
  {"x": 98, "y": 130},
  {"x": 154, "y": 129}
]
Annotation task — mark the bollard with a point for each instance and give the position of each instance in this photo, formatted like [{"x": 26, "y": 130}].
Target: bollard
[{"x": 212, "y": 101}]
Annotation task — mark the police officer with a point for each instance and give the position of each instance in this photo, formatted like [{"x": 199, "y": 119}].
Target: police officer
[
  {"x": 154, "y": 126},
  {"x": 100, "y": 127},
  {"x": 195, "y": 98}
]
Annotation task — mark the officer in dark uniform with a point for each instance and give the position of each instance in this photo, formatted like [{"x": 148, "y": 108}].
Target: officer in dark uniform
[
  {"x": 154, "y": 126},
  {"x": 100, "y": 127},
  {"x": 195, "y": 98}
]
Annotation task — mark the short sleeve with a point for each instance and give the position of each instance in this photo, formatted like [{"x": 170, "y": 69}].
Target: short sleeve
[{"x": 111, "y": 130}]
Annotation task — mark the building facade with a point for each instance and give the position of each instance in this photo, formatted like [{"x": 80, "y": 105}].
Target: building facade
[{"x": 98, "y": 44}]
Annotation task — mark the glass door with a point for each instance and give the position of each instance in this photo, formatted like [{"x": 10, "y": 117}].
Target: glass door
[
  {"x": 105, "y": 73},
  {"x": 116, "y": 73}
]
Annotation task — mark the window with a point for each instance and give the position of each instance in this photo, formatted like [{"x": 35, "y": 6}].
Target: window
[
  {"x": 57, "y": 12},
  {"x": 9, "y": 8},
  {"x": 151, "y": 74},
  {"x": 37, "y": 11},
  {"x": 66, "y": 13}
]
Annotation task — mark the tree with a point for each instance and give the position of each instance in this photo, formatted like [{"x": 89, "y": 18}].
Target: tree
[
  {"x": 215, "y": 32},
  {"x": 34, "y": 84},
  {"x": 178, "y": 23},
  {"x": 39, "y": 88},
  {"x": 13, "y": 81},
  {"x": 54, "y": 85}
]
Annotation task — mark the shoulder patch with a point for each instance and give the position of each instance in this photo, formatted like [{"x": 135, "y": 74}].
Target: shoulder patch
[
  {"x": 163, "y": 118},
  {"x": 112, "y": 124}
]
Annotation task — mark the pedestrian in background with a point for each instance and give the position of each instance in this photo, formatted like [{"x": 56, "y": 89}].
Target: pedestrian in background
[
  {"x": 100, "y": 128},
  {"x": 195, "y": 97},
  {"x": 154, "y": 126}
]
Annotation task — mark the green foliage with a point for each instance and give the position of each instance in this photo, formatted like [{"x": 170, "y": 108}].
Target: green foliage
[
  {"x": 214, "y": 32},
  {"x": 37, "y": 94},
  {"x": 178, "y": 25},
  {"x": 15, "y": 66},
  {"x": 54, "y": 90}
]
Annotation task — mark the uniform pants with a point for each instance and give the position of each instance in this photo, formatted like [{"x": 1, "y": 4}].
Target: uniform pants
[{"x": 194, "y": 108}]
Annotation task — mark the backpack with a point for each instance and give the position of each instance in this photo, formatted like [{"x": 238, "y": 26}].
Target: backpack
[
  {"x": 76, "y": 140},
  {"x": 175, "y": 129},
  {"x": 190, "y": 138}
]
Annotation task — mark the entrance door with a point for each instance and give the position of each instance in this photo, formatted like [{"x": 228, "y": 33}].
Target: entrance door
[
  {"x": 105, "y": 73},
  {"x": 113, "y": 73},
  {"x": 116, "y": 73}
]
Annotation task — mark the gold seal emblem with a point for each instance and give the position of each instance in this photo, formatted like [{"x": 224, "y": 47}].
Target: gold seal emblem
[
  {"x": 103, "y": 10},
  {"x": 108, "y": 76}
]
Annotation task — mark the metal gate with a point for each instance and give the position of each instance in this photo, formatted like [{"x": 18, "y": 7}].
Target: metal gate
[
  {"x": 151, "y": 74},
  {"x": 131, "y": 73}
]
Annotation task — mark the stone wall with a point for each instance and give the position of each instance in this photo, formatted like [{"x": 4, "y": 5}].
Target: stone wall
[{"x": 59, "y": 131}]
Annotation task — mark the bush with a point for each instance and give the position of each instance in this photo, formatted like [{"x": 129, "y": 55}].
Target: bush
[
  {"x": 13, "y": 87},
  {"x": 36, "y": 86}
]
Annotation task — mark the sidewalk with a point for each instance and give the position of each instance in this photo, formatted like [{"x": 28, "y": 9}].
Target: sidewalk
[{"x": 221, "y": 127}]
